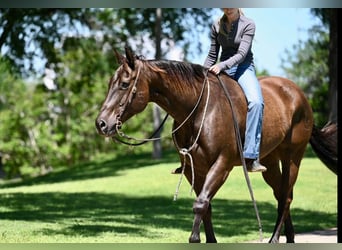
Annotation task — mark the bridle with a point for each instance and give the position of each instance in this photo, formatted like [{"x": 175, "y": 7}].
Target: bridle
[{"x": 124, "y": 104}]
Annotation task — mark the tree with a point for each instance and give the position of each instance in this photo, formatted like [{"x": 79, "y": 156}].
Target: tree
[
  {"x": 56, "y": 126},
  {"x": 42, "y": 127},
  {"x": 313, "y": 65},
  {"x": 22, "y": 115},
  {"x": 329, "y": 19},
  {"x": 308, "y": 67},
  {"x": 157, "y": 146},
  {"x": 28, "y": 35}
]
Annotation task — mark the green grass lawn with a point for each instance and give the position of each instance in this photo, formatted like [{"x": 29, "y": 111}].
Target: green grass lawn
[{"x": 130, "y": 199}]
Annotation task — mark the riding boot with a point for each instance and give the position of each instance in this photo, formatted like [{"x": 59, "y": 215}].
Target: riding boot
[
  {"x": 253, "y": 165},
  {"x": 177, "y": 170}
]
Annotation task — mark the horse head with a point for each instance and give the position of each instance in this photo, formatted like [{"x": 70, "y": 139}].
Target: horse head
[{"x": 127, "y": 95}]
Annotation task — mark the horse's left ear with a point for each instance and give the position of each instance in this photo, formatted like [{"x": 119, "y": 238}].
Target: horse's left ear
[
  {"x": 120, "y": 58},
  {"x": 130, "y": 57}
]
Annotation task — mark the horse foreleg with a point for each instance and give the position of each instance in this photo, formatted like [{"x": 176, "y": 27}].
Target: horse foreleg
[
  {"x": 202, "y": 208},
  {"x": 207, "y": 223}
]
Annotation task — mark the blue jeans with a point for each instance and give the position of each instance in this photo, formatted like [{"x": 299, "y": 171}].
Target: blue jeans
[{"x": 245, "y": 75}]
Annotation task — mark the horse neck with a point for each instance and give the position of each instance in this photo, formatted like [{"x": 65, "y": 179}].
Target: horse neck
[{"x": 176, "y": 94}]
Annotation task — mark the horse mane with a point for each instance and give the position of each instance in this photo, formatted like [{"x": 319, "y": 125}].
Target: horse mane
[{"x": 182, "y": 72}]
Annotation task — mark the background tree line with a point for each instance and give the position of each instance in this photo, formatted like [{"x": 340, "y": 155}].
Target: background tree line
[{"x": 46, "y": 126}]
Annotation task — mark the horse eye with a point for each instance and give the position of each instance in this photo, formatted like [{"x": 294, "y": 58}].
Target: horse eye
[{"x": 124, "y": 85}]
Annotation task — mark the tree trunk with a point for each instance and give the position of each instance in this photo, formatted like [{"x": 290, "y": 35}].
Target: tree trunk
[
  {"x": 333, "y": 65},
  {"x": 157, "y": 145},
  {"x": 2, "y": 171}
]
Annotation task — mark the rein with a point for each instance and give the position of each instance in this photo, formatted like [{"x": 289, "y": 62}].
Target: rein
[
  {"x": 183, "y": 151},
  {"x": 151, "y": 138},
  {"x": 239, "y": 142},
  {"x": 143, "y": 141}
]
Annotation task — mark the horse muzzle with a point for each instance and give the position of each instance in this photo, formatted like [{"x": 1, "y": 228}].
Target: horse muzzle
[{"x": 106, "y": 128}]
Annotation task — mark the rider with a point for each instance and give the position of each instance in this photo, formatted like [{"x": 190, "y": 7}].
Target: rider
[{"x": 233, "y": 33}]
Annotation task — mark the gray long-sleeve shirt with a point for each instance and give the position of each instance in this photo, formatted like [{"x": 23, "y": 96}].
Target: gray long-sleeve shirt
[{"x": 236, "y": 44}]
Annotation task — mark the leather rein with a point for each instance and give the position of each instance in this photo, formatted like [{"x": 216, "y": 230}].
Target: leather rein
[{"x": 123, "y": 106}]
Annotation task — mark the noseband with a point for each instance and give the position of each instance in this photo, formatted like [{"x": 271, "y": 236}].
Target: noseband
[{"x": 123, "y": 104}]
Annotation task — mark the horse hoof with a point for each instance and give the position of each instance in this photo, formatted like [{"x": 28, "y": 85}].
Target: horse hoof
[
  {"x": 194, "y": 239},
  {"x": 273, "y": 240}
]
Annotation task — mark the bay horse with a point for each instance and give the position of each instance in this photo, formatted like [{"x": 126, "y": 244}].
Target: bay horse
[{"x": 182, "y": 88}]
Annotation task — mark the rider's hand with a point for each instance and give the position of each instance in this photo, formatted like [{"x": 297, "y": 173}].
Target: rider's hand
[{"x": 215, "y": 69}]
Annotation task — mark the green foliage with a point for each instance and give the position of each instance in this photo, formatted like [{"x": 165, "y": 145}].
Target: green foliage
[
  {"x": 27, "y": 136},
  {"x": 47, "y": 128},
  {"x": 136, "y": 25},
  {"x": 82, "y": 78},
  {"x": 43, "y": 128},
  {"x": 308, "y": 66},
  {"x": 32, "y": 33}
]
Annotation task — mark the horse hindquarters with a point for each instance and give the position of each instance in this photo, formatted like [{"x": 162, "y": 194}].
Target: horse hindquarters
[{"x": 287, "y": 128}]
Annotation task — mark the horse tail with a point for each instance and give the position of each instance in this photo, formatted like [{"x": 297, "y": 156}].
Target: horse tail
[{"x": 324, "y": 144}]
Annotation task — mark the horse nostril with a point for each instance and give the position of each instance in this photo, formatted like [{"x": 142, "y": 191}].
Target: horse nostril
[{"x": 102, "y": 124}]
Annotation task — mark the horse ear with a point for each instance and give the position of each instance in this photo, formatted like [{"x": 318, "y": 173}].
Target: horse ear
[
  {"x": 130, "y": 57},
  {"x": 120, "y": 58}
]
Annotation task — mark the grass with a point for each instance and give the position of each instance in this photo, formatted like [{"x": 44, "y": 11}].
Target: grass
[{"x": 130, "y": 199}]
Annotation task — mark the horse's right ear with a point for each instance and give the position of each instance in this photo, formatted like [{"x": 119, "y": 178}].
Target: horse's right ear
[
  {"x": 130, "y": 57},
  {"x": 119, "y": 58}
]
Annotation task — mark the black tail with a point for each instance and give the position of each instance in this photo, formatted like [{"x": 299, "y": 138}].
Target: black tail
[{"x": 324, "y": 143}]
